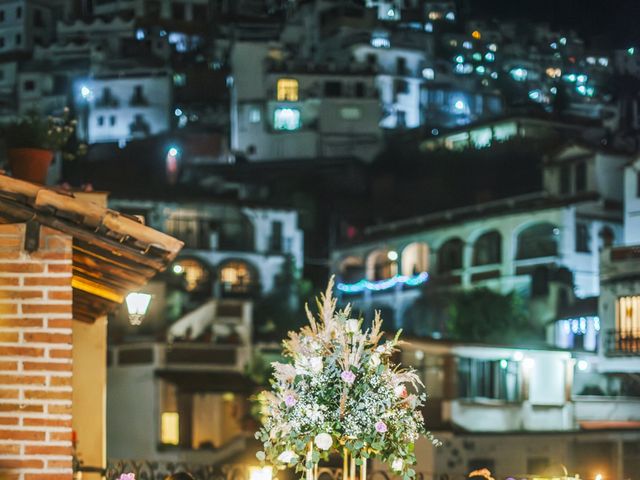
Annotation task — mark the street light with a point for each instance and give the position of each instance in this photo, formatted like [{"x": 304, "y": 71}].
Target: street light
[
  {"x": 137, "y": 305},
  {"x": 85, "y": 92}
]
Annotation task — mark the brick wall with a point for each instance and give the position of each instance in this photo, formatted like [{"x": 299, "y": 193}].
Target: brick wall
[{"x": 35, "y": 356}]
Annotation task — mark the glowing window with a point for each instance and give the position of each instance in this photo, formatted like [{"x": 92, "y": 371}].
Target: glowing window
[
  {"x": 195, "y": 274},
  {"x": 481, "y": 138},
  {"x": 477, "y": 35},
  {"x": 351, "y": 113},
  {"x": 287, "y": 90},
  {"x": 519, "y": 74},
  {"x": 428, "y": 73},
  {"x": 236, "y": 277},
  {"x": 505, "y": 131},
  {"x": 286, "y": 119},
  {"x": 170, "y": 428}
]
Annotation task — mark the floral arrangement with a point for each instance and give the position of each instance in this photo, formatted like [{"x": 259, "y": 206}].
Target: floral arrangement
[{"x": 341, "y": 393}]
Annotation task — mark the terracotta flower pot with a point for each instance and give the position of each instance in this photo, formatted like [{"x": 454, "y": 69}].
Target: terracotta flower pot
[{"x": 30, "y": 164}]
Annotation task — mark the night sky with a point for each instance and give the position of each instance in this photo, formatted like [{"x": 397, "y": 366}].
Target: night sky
[{"x": 604, "y": 23}]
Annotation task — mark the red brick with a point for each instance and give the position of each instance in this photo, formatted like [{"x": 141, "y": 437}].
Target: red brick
[
  {"x": 9, "y": 337},
  {"x": 21, "y": 351},
  {"x": 48, "y": 366},
  {"x": 8, "y": 308},
  {"x": 9, "y": 449},
  {"x": 48, "y": 255},
  {"x": 47, "y": 450},
  {"x": 21, "y": 463},
  {"x": 60, "y": 381},
  {"x": 9, "y": 393},
  {"x": 20, "y": 322},
  {"x": 15, "y": 407},
  {"x": 47, "y": 337},
  {"x": 60, "y": 436},
  {"x": 18, "y": 294},
  {"x": 59, "y": 409},
  {"x": 60, "y": 295},
  {"x": 22, "y": 435},
  {"x": 45, "y": 422},
  {"x": 8, "y": 366},
  {"x": 8, "y": 420},
  {"x": 59, "y": 323},
  {"x": 59, "y": 267},
  {"x": 9, "y": 281},
  {"x": 22, "y": 380},
  {"x": 46, "y": 308},
  {"x": 59, "y": 463},
  {"x": 48, "y": 281},
  {"x": 60, "y": 353},
  {"x": 21, "y": 267},
  {"x": 48, "y": 476},
  {"x": 46, "y": 395},
  {"x": 12, "y": 229}
]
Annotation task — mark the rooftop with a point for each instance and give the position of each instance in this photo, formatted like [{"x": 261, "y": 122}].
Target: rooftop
[{"x": 113, "y": 254}]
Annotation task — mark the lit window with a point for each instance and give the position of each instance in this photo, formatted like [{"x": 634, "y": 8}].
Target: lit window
[
  {"x": 627, "y": 338},
  {"x": 453, "y": 42},
  {"x": 179, "y": 79},
  {"x": 428, "y": 27},
  {"x": 631, "y": 50},
  {"x": 477, "y": 56},
  {"x": 489, "y": 56},
  {"x": 477, "y": 35},
  {"x": 481, "y": 70},
  {"x": 591, "y": 60},
  {"x": 459, "y": 59},
  {"x": 603, "y": 61},
  {"x": 467, "y": 45},
  {"x": 286, "y": 119},
  {"x": 435, "y": 15},
  {"x": 450, "y": 16},
  {"x": 170, "y": 428},
  {"x": 236, "y": 277},
  {"x": 380, "y": 42},
  {"x": 554, "y": 72},
  {"x": 195, "y": 274},
  {"x": 287, "y": 90}
]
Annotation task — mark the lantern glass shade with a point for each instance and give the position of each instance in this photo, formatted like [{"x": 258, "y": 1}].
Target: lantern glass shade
[{"x": 137, "y": 305}]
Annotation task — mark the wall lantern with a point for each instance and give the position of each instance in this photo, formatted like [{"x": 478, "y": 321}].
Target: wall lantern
[{"x": 137, "y": 305}]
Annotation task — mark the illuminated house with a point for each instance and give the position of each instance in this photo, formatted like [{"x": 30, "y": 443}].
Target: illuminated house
[
  {"x": 230, "y": 250},
  {"x": 542, "y": 246},
  {"x": 286, "y": 111},
  {"x": 521, "y": 411}
]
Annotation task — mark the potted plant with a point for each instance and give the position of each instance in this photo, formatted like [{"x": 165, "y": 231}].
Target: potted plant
[{"x": 32, "y": 141}]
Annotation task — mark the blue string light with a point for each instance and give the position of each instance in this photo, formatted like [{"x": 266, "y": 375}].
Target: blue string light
[{"x": 380, "y": 285}]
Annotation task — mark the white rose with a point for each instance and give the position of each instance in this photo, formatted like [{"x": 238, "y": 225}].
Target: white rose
[
  {"x": 287, "y": 456},
  {"x": 323, "y": 441},
  {"x": 397, "y": 465},
  {"x": 353, "y": 325},
  {"x": 316, "y": 364},
  {"x": 400, "y": 390},
  {"x": 374, "y": 361}
]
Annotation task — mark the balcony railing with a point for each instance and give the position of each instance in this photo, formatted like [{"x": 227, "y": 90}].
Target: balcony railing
[{"x": 625, "y": 343}]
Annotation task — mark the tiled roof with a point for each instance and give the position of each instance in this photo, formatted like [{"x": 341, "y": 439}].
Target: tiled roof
[{"x": 113, "y": 254}]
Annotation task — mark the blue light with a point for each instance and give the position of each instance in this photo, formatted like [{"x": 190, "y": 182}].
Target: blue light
[
  {"x": 381, "y": 285},
  {"x": 450, "y": 16},
  {"x": 85, "y": 92},
  {"x": 459, "y": 59},
  {"x": 177, "y": 112},
  {"x": 173, "y": 152},
  {"x": 519, "y": 74},
  {"x": 489, "y": 56},
  {"x": 428, "y": 27}
]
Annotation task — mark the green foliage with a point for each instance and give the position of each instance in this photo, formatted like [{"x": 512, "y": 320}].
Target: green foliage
[
  {"x": 35, "y": 131},
  {"x": 479, "y": 315}
]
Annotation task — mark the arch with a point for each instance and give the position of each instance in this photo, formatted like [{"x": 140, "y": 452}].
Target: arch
[
  {"x": 538, "y": 240},
  {"x": 237, "y": 276},
  {"x": 351, "y": 269},
  {"x": 195, "y": 273},
  {"x": 380, "y": 266},
  {"x": 415, "y": 258},
  {"x": 487, "y": 249},
  {"x": 450, "y": 255}
]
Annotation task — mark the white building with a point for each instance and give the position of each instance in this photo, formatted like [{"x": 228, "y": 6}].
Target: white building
[
  {"x": 181, "y": 10},
  {"x": 542, "y": 246},
  {"x": 118, "y": 104},
  {"x": 283, "y": 110},
  {"x": 230, "y": 250},
  {"x": 26, "y": 23},
  {"x": 518, "y": 412}
]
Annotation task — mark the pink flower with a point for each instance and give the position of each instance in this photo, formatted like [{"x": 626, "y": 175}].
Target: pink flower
[
  {"x": 381, "y": 427},
  {"x": 348, "y": 376},
  {"x": 127, "y": 476},
  {"x": 289, "y": 400}
]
